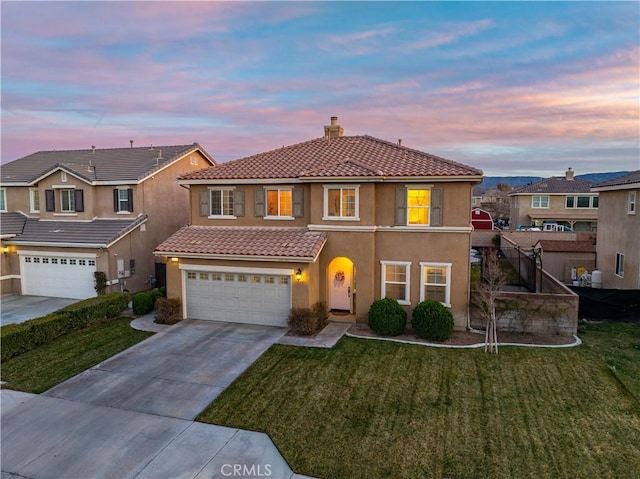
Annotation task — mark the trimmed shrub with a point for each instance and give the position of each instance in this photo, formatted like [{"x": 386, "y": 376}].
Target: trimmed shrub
[
  {"x": 162, "y": 291},
  {"x": 19, "y": 338},
  {"x": 387, "y": 317},
  {"x": 305, "y": 321},
  {"x": 144, "y": 302},
  {"x": 168, "y": 310},
  {"x": 432, "y": 320},
  {"x": 322, "y": 314}
]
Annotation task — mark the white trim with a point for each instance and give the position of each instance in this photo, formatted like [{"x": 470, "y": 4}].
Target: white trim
[
  {"x": 628, "y": 186},
  {"x": 10, "y": 276},
  {"x": 427, "y": 229},
  {"x": 222, "y": 217},
  {"x": 124, "y": 212},
  {"x": 63, "y": 187},
  {"x": 32, "y": 190},
  {"x": 267, "y": 189},
  {"x": 541, "y": 207},
  {"x": 3, "y": 192},
  {"x": 407, "y": 288},
  {"x": 212, "y": 216},
  {"x": 236, "y": 269},
  {"x": 65, "y": 214},
  {"x": 634, "y": 201},
  {"x": 273, "y": 259},
  {"x": 423, "y": 265},
  {"x": 57, "y": 254},
  {"x": 619, "y": 261},
  {"x": 346, "y": 228},
  {"x": 325, "y": 202},
  {"x": 278, "y": 218}
]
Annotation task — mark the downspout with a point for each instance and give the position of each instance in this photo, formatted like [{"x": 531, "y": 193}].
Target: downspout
[{"x": 188, "y": 188}]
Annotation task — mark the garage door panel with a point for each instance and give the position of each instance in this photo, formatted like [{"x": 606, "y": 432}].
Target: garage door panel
[
  {"x": 238, "y": 297},
  {"x": 64, "y": 277}
]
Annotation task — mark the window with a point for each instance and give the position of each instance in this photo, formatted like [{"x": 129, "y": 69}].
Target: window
[
  {"x": 221, "y": 202},
  {"x": 581, "y": 202},
  {"x": 34, "y": 200},
  {"x": 123, "y": 200},
  {"x": 418, "y": 202},
  {"x": 229, "y": 277},
  {"x": 395, "y": 281},
  {"x": 3, "y": 199},
  {"x": 283, "y": 280},
  {"x": 539, "y": 201},
  {"x": 436, "y": 282},
  {"x": 620, "y": 265},
  {"x": 256, "y": 279},
  {"x": 341, "y": 202},
  {"x": 67, "y": 201},
  {"x": 631, "y": 209},
  {"x": 204, "y": 276},
  {"x": 279, "y": 202},
  {"x": 191, "y": 275},
  {"x": 216, "y": 276},
  {"x": 242, "y": 278}
]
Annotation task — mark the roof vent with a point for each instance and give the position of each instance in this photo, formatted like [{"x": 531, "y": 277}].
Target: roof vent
[
  {"x": 93, "y": 149},
  {"x": 399, "y": 141}
]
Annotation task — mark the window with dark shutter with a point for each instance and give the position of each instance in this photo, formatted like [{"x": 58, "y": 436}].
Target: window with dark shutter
[
  {"x": 297, "y": 210},
  {"x": 259, "y": 203},
  {"x": 436, "y": 207},
  {"x": 204, "y": 203},
  {"x": 78, "y": 198},
  {"x": 238, "y": 202},
  {"x": 401, "y": 207},
  {"x": 50, "y": 202}
]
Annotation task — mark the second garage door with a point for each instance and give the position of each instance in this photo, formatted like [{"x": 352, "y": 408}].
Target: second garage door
[{"x": 238, "y": 297}]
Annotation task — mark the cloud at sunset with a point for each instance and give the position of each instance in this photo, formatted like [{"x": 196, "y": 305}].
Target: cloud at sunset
[{"x": 469, "y": 82}]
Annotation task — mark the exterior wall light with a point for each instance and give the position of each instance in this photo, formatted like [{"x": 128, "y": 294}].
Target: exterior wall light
[
  {"x": 5, "y": 249},
  {"x": 174, "y": 260},
  {"x": 299, "y": 275}
]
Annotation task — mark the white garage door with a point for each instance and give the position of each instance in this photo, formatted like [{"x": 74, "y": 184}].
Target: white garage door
[
  {"x": 56, "y": 276},
  {"x": 238, "y": 297}
]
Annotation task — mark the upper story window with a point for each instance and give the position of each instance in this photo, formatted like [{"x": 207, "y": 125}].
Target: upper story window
[
  {"x": 279, "y": 202},
  {"x": 341, "y": 202},
  {"x": 395, "y": 281},
  {"x": 123, "y": 200},
  {"x": 3, "y": 199},
  {"x": 34, "y": 200},
  {"x": 540, "y": 201},
  {"x": 632, "y": 203},
  {"x": 620, "y": 265},
  {"x": 436, "y": 282},
  {"x": 581, "y": 201},
  {"x": 418, "y": 206},
  {"x": 71, "y": 200},
  {"x": 221, "y": 202}
]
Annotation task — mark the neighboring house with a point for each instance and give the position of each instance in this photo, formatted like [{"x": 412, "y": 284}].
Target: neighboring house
[
  {"x": 341, "y": 219},
  {"x": 564, "y": 201},
  {"x": 618, "y": 243},
  {"x": 67, "y": 214},
  {"x": 563, "y": 258}
]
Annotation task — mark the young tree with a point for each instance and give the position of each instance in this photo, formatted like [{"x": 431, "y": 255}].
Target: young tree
[{"x": 485, "y": 295}]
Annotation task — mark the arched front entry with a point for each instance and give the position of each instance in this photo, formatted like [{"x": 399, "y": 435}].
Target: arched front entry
[{"x": 341, "y": 284}]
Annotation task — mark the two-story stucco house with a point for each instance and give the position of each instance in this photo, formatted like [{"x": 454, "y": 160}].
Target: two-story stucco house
[
  {"x": 554, "y": 203},
  {"x": 340, "y": 219},
  {"x": 618, "y": 244},
  {"x": 69, "y": 214}
]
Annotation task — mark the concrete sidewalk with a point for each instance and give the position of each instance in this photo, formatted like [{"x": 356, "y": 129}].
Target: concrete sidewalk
[{"x": 132, "y": 415}]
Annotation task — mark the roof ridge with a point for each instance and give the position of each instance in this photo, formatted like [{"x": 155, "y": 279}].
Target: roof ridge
[{"x": 111, "y": 149}]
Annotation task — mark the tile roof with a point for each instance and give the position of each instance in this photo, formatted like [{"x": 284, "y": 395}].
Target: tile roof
[
  {"x": 11, "y": 223},
  {"x": 245, "y": 241},
  {"x": 346, "y": 156},
  {"x": 628, "y": 179},
  {"x": 111, "y": 164},
  {"x": 567, "y": 246},
  {"x": 555, "y": 184},
  {"x": 96, "y": 233}
]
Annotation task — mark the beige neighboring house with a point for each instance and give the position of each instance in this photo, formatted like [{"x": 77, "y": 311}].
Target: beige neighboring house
[
  {"x": 618, "y": 247},
  {"x": 341, "y": 219},
  {"x": 562, "y": 259},
  {"x": 67, "y": 214},
  {"x": 554, "y": 203}
]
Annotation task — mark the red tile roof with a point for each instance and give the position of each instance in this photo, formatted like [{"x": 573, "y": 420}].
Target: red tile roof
[
  {"x": 346, "y": 156},
  {"x": 298, "y": 243}
]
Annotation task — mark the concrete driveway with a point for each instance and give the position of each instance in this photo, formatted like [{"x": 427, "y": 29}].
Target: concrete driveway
[
  {"x": 16, "y": 308},
  {"x": 131, "y": 415}
]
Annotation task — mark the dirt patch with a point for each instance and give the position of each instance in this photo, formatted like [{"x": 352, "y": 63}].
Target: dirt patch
[{"x": 468, "y": 338}]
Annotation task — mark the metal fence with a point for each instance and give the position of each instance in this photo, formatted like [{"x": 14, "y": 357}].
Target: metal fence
[{"x": 526, "y": 264}]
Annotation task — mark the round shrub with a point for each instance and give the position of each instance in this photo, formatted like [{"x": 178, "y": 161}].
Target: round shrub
[
  {"x": 143, "y": 302},
  {"x": 387, "y": 317},
  {"x": 432, "y": 320}
]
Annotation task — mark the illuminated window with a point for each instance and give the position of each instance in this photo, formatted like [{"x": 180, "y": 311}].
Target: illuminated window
[
  {"x": 436, "y": 282},
  {"x": 418, "y": 203},
  {"x": 395, "y": 281},
  {"x": 279, "y": 202}
]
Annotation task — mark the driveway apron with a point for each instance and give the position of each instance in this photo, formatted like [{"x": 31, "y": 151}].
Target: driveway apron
[{"x": 175, "y": 373}]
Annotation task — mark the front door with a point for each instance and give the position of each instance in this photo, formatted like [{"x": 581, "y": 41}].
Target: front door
[{"x": 340, "y": 284}]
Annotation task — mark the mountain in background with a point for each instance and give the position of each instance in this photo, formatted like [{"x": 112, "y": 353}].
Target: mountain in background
[{"x": 518, "y": 181}]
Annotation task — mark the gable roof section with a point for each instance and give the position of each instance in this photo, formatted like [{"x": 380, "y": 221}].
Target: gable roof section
[
  {"x": 346, "y": 156},
  {"x": 554, "y": 185},
  {"x": 96, "y": 166},
  {"x": 92, "y": 234},
  {"x": 631, "y": 180},
  {"x": 11, "y": 224},
  {"x": 257, "y": 243}
]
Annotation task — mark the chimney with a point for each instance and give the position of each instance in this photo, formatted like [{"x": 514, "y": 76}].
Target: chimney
[
  {"x": 334, "y": 130},
  {"x": 399, "y": 141},
  {"x": 569, "y": 174},
  {"x": 93, "y": 149},
  {"x": 131, "y": 141}
]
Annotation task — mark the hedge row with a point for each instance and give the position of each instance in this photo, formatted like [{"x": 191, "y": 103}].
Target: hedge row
[{"x": 19, "y": 338}]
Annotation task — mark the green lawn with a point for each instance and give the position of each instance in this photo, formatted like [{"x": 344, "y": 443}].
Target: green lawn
[
  {"x": 371, "y": 409},
  {"x": 42, "y": 368}
]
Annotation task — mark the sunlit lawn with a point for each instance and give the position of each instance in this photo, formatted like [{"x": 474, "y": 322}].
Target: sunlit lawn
[
  {"x": 42, "y": 368},
  {"x": 369, "y": 409}
]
